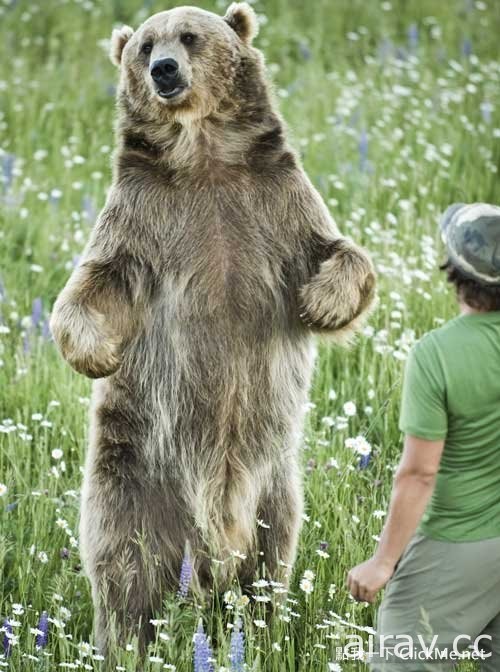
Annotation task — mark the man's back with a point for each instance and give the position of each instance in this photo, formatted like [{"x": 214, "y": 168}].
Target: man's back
[
  {"x": 452, "y": 391},
  {"x": 443, "y": 579}
]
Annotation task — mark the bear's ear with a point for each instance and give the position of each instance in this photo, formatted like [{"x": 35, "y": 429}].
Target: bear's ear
[
  {"x": 242, "y": 19},
  {"x": 119, "y": 38}
]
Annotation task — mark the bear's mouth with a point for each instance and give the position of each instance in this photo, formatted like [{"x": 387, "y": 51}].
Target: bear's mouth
[{"x": 171, "y": 92}]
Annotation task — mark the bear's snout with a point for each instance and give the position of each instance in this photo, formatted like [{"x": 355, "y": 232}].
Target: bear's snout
[{"x": 166, "y": 76}]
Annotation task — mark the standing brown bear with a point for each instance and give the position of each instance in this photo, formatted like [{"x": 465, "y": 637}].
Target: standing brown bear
[{"x": 209, "y": 269}]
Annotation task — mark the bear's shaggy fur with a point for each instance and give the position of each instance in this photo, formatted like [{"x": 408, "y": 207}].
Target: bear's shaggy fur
[{"x": 211, "y": 266}]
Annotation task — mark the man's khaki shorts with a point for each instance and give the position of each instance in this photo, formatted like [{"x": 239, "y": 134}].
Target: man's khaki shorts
[{"x": 447, "y": 590}]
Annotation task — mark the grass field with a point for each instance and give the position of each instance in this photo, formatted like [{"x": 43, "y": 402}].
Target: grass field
[{"x": 395, "y": 107}]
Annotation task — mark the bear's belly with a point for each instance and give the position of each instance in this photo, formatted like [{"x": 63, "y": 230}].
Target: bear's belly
[
  {"x": 185, "y": 438},
  {"x": 200, "y": 390}
]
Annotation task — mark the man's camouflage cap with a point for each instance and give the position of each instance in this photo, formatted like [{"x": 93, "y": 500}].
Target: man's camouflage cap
[{"x": 471, "y": 234}]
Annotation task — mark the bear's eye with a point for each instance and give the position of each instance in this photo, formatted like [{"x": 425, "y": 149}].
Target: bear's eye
[
  {"x": 187, "y": 38},
  {"x": 147, "y": 48}
]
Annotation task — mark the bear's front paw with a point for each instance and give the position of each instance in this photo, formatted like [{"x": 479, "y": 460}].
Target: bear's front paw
[
  {"x": 341, "y": 294},
  {"x": 85, "y": 341}
]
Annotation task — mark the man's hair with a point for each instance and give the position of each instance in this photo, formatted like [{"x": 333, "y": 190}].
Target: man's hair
[{"x": 475, "y": 294}]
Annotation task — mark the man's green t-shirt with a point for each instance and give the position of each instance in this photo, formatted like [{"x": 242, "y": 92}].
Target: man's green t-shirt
[{"x": 451, "y": 391}]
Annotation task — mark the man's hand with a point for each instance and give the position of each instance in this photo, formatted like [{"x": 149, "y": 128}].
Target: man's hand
[
  {"x": 365, "y": 580},
  {"x": 413, "y": 486}
]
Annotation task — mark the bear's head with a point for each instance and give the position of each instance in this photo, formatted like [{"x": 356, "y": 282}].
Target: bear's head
[{"x": 185, "y": 62}]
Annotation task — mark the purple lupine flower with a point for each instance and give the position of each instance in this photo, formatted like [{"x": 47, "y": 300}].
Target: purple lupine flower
[
  {"x": 413, "y": 36},
  {"x": 36, "y": 312},
  {"x": 385, "y": 50},
  {"x": 304, "y": 51},
  {"x": 88, "y": 208},
  {"x": 237, "y": 647},
  {"x": 401, "y": 54},
  {"x": 322, "y": 183},
  {"x": 42, "y": 637},
  {"x": 466, "y": 47},
  {"x": 6, "y": 640},
  {"x": 8, "y": 161},
  {"x": 354, "y": 119},
  {"x": 185, "y": 576},
  {"x": 364, "y": 461},
  {"x": 203, "y": 655},
  {"x": 486, "y": 110},
  {"x": 363, "y": 150},
  {"x": 46, "y": 333},
  {"x": 26, "y": 343}
]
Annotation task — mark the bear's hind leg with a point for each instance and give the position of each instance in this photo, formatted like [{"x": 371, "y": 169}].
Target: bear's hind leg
[
  {"x": 126, "y": 595},
  {"x": 280, "y": 516}
]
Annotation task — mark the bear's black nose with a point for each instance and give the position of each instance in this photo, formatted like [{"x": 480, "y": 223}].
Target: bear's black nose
[{"x": 164, "y": 70}]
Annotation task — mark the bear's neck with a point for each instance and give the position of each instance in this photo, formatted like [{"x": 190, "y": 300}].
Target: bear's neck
[{"x": 235, "y": 135}]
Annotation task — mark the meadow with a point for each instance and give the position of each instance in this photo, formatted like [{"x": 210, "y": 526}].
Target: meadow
[{"x": 395, "y": 108}]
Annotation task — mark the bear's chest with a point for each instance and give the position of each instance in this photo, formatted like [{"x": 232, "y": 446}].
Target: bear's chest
[{"x": 221, "y": 251}]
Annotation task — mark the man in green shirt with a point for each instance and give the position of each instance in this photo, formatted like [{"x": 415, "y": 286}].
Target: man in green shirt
[{"x": 439, "y": 552}]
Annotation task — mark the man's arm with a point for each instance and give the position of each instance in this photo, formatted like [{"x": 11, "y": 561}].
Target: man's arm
[{"x": 413, "y": 486}]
